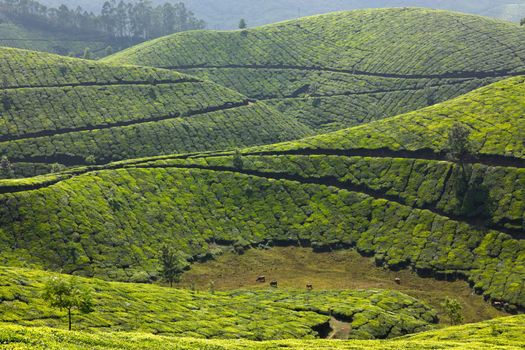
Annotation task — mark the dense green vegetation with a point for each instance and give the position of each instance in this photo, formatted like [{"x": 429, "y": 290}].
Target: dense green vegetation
[
  {"x": 62, "y": 110},
  {"x": 110, "y": 223},
  {"x": 502, "y": 333},
  {"x": 257, "y": 315},
  {"x": 326, "y": 72},
  {"x": 494, "y": 114}
]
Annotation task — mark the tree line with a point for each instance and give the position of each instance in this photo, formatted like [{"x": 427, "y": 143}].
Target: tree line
[{"x": 137, "y": 20}]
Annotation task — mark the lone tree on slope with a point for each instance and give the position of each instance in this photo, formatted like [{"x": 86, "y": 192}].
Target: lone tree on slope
[
  {"x": 453, "y": 309},
  {"x": 6, "y": 169},
  {"x": 459, "y": 146},
  {"x": 67, "y": 295},
  {"x": 172, "y": 265},
  {"x": 242, "y": 24},
  {"x": 522, "y": 22}
]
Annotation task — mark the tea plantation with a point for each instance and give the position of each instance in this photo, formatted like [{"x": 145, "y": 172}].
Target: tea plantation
[
  {"x": 61, "y": 110},
  {"x": 255, "y": 315},
  {"x": 406, "y": 209},
  {"x": 501, "y": 333},
  {"x": 494, "y": 115},
  {"x": 346, "y": 68}
]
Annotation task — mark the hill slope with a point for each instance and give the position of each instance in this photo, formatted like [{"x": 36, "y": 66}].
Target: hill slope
[
  {"x": 502, "y": 333},
  {"x": 57, "y": 109},
  {"x": 110, "y": 221},
  {"x": 256, "y": 315},
  {"x": 343, "y": 69}
]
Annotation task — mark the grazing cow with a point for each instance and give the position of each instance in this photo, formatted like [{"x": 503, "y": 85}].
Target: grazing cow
[
  {"x": 309, "y": 286},
  {"x": 397, "y": 280},
  {"x": 261, "y": 279},
  {"x": 273, "y": 284},
  {"x": 497, "y": 304}
]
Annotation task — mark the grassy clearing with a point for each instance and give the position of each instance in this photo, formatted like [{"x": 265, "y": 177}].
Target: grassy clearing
[{"x": 295, "y": 267}]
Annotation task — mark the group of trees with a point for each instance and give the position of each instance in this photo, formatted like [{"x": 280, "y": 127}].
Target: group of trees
[{"x": 137, "y": 20}]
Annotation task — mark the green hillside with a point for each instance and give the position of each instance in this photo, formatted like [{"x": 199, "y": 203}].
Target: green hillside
[
  {"x": 343, "y": 69},
  {"x": 502, "y": 333},
  {"x": 256, "y": 315},
  {"x": 110, "y": 221},
  {"x": 61, "y": 110},
  {"x": 494, "y": 114}
]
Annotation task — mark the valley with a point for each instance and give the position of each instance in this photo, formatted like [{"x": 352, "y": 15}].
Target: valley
[{"x": 348, "y": 180}]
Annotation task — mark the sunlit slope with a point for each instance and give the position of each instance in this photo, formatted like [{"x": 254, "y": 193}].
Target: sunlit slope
[
  {"x": 112, "y": 222},
  {"x": 401, "y": 204},
  {"x": 346, "y": 68},
  {"x": 255, "y": 315},
  {"x": 494, "y": 114},
  {"x": 502, "y": 333},
  {"x": 56, "y": 109}
]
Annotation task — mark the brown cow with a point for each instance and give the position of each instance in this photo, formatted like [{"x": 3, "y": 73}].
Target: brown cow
[
  {"x": 397, "y": 280},
  {"x": 273, "y": 284},
  {"x": 309, "y": 286},
  {"x": 261, "y": 279}
]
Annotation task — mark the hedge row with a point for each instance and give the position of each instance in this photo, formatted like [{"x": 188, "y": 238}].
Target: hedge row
[
  {"x": 228, "y": 128},
  {"x": 493, "y": 195}
]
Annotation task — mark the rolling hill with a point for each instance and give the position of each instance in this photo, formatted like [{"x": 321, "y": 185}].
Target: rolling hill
[
  {"x": 256, "y": 315},
  {"x": 405, "y": 205},
  {"x": 69, "y": 111},
  {"x": 502, "y": 333},
  {"x": 343, "y": 69}
]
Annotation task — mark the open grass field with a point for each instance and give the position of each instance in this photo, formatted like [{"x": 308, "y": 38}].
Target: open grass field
[
  {"x": 328, "y": 70},
  {"x": 295, "y": 267}
]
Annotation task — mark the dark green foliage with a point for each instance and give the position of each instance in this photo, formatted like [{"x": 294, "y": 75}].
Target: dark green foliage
[
  {"x": 522, "y": 22},
  {"x": 459, "y": 147},
  {"x": 6, "y": 169},
  {"x": 237, "y": 160},
  {"x": 67, "y": 294},
  {"x": 172, "y": 264},
  {"x": 453, "y": 310},
  {"x": 242, "y": 24}
]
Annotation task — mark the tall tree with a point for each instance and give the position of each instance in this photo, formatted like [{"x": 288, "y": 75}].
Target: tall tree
[
  {"x": 172, "y": 264},
  {"x": 67, "y": 294},
  {"x": 6, "y": 169},
  {"x": 242, "y": 24}
]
